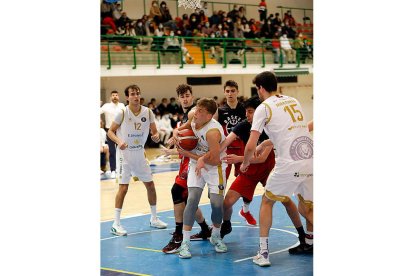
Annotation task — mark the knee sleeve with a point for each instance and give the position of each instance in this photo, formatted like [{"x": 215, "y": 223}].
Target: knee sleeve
[
  {"x": 216, "y": 202},
  {"x": 194, "y": 195},
  {"x": 179, "y": 194}
]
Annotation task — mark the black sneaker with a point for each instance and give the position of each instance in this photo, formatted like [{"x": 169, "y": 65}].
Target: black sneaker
[
  {"x": 202, "y": 235},
  {"x": 301, "y": 249},
  {"x": 173, "y": 244},
  {"x": 225, "y": 229}
]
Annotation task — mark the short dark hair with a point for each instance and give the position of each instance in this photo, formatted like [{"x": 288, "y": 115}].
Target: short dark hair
[
  {"x": 267, "y": 80},
  {"x": 252, "y": 102},
  {"x": 182, "y": 89},
  {"x": 133, "y": 87},
  {"x": 209, "y": 104},
  {"x": 113, "y": 92},
  {"x": 231, "y": 83}
]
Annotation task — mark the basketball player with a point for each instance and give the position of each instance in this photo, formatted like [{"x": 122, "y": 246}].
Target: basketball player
[
  {"x": 210, "y": 134},
  {"x": 179, "y": 190},
  {"x": 282, "y": 118},
  {"x": 130, "y": 131},
  {"x": 229, "y": 116}
]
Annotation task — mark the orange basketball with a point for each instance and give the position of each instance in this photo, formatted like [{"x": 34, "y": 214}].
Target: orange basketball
[{"x": 188, "y": 140}]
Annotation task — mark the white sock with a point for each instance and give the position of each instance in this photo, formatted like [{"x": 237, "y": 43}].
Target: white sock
[
  {"x": 215, "y": 232},
  {"x": 153, "y": 212},
  {"x": 264, "y": 241},
  {"x": 186, "y": 236},
  {"x": 307, "y": 240},
  {"x": 246, "y": 207},
  {"x": 118, "y": 216}
]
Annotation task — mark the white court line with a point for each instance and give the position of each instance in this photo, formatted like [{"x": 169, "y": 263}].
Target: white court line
[
  {"x": 274, "y": 252},
  {"x": 135, "y": 233}
]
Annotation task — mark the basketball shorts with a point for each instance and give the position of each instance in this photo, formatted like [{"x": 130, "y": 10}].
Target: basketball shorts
[
  {"x": 215, "y": 177},
  {"x": 292, "y": 178},
  {"x": 132, "y": 163}
]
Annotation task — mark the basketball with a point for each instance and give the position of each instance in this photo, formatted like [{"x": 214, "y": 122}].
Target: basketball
[{"x": 188, "y": 140}]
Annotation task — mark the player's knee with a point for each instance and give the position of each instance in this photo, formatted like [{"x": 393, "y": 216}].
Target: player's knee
[
  {"x": 269, "y": 195},
  {"x": 123, "y": 188},
  {"x": 307, "y": 204},
  {"x": 177, "y": 193}
]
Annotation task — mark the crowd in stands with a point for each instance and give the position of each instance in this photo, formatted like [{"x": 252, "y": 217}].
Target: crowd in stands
[{"x": 286, "y": 33}]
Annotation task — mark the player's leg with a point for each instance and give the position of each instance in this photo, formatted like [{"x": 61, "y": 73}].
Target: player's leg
[
  {"x": 205, "y": 232},
  {"x": 124, "y": 173},
  {"x": 152, "y": 200},
  {"x": 216, "y": 202},
  {"x": 306, "y": 210},
  {"x": 230, "y": 199}
]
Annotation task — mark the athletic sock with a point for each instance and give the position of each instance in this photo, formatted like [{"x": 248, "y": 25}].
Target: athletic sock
[
  {"x": 215, "y": 232},
  {"x": 118, "y": 216},
  {"x": 153, "y": 211},
  {"x": 186, "y": 236},
  {"x": 264, "y": 241},
  {"x": 246, "y": 207},
  {"x": 179, "y": 228},
  {"x": 309, "y": 238},
  {"x": 204, "y": 226},
  {"x": 302, "y": 234}
]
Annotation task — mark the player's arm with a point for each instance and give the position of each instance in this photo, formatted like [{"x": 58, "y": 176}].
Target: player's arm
[
  {"x": 155, "y": 136},
  {"x": 310, "y": 126},
  {"x": 250, "y": 149},
  {"x": 213, "y": 138},
  {"x": 111, "y": 134},
  {"x": 262, "y": 156}
]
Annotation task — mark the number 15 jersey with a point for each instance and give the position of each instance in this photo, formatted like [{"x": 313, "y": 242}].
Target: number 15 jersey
[{"x": 283, "y": 121}]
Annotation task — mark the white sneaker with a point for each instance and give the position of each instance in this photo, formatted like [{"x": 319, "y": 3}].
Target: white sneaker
[
  {"x": 262, "y": 259},
  {"x": 184, "y": 250},
  {"x": 108, "y": 174},
  {"x": 118, "y": 230},
  {"x": 113, "y": 174},
  {"x": 218, "y": 244},
  {"x": 157, "y": 223}
]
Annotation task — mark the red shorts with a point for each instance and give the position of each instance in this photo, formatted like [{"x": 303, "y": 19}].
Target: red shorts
[
  {"x": 181, "y": 178},
  {"x": 245, "y": 183}
]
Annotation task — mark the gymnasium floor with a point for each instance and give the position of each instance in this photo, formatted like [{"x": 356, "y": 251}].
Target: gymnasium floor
[{"x": 140, "y": 253}]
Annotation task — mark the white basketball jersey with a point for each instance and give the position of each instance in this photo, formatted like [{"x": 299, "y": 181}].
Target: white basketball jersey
[
  {"x": 133, "y": 129},
  {"x": 283, "y": 120},
  {"x": 202, "y": 145}
]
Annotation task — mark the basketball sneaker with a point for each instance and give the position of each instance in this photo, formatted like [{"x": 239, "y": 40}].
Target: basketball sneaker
[
  {"x": 113, "y": 174},
  {"x": 225, "y": 228},
  {"x": 184, "y": 250},
  {"x": 202, "y": 235},
  {"x": 157, "y": 223},
  {"x": 218, "y": 244},
  {"x": 118, "y": 230},
  {"x": 174, "y": 244},
  {"x": 248, "y": 217},
  {"x": 262, "y": 259},
  {"x": 301, "y": 249}
]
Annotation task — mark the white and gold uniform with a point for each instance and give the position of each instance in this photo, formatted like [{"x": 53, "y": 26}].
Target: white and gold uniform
[
  {"x": 282, "y": 119},
  {"x": 214, "y": 176},
  {"x": 133, "y": 130}
]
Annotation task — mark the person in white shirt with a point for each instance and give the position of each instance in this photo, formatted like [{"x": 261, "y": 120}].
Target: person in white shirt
[
  {"x": 109, "y": 110},
  {"x": 283, "y": 120},
  {"x": 130, "y": 130},
  {"x": 104, "y": 149},
  {"x": 287, "y": 49}
]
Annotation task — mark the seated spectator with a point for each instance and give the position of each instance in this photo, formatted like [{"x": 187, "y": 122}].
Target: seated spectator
[
  {"x": 242, "y": 13},
  {"x": 287, "y": 29},
  {"x": 233, "y": 13},
  {"x": 172, "y": 42},
  {"x": 265, "y": 31},
  {"x": 141, "y": 30},
  {"x": 159, "y": 30},
  {"x": 106, "y": 9},
  {"x": 163, "y": 106},
  {"x": 109, "y": 21},
  {"x": 173, "y": 106},
  {"x": 214, "y": 19},
  {"x": 287, "y": 49},
  {"x": 277, "y": 21},
  {"x": 165, "y": 11},
  {"x": 122, "y": 21},
  {"x": 288, "y": 19},
  {"x": 116, "y": 12},
  {"x": 206, "y": 30},
  {"x": 164, "y": 127},
  {"x": 155, "y": 12}
]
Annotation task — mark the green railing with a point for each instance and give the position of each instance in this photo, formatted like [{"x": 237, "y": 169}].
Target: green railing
[{"x": 145, "y": 50}]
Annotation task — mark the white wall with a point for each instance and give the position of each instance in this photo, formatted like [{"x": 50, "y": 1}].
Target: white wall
[
  {"x": 164, "y": 86},
  {"x": 135, "y": 8}
]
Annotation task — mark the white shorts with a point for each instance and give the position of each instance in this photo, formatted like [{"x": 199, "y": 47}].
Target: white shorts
[
  {"x": 132, "y": 163},
  {"x": 215, "y": 177},
  {"x": 292, "y": 178}
]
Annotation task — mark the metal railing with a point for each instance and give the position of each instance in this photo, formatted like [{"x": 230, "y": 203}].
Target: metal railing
[{"x": 152, "y": 50}]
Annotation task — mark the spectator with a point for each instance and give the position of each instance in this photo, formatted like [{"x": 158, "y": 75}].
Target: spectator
[
  {"x": 206, "y": 30},
  {"x": 287, "y": 49},
  {"x": 205, "y": 9},
  {"x": 233, "y": 13},
  {"x": 155, "y": 12},
  {"x": 242, "y": 13},
  {"x": 214, "y": 19},
  {"x": 106, "y": 9},
  {"x": 145, "y": 41},
  {"x": 116, "y": 12},
  {"x": 173, "y": 107},
  {"x": 109, "y": 21},
  {"x": 277, "y": 21},
  {"x": 104, "y": 151},
  {"x": 262, "y": 10},
  {"x": 246, "y": 29},
  {"x": 288, "y": 19},
  {"x": 174, "y": 42},
  {"x": 122, "y": 21},
  {"x": 265, "y": 31},
  {"x": 163, "y": 106},
  {"x": 165, "y": 11},
  {"x": 287, "y": 29}
]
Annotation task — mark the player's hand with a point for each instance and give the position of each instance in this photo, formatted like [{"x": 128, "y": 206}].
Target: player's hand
[
  {"x": 123, "y": 145},
  {"x": 200, "y": 165},
  {"x": 183, "y": 152},
  {"x": 166, "y": 151},
  {"x": 244, "y": 166},
  {"x": 232, "y": 159},
  {"x": 170, "y": 142},
  {"x": 155, "y": 137},
  {"x": 259, "y": 150}
]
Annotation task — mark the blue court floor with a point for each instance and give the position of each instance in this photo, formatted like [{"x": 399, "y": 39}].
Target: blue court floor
[{"x": 139, "y": 253}]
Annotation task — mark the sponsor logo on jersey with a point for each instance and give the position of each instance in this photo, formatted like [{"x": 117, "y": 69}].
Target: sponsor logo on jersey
[
  {"x": 301, "y": 148},
  {"x": 143, "y": 119}
]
